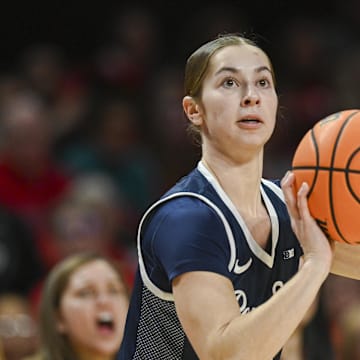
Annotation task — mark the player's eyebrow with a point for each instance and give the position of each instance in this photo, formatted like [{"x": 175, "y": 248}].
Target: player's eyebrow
[{"x": 234, "y": 70}]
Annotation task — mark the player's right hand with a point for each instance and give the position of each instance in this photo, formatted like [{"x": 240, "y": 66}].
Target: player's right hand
[{"x": 315, "y": 244}]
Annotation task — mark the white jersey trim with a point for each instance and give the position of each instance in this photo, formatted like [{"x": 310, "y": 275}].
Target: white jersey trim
[
  {"x": 257, "y": 250},
  {"x": 274, "y": 188},
  {"x": 146, "y": 279}
]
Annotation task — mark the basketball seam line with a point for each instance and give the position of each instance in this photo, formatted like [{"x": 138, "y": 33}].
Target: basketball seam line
[{"x": 325, "y": 168}]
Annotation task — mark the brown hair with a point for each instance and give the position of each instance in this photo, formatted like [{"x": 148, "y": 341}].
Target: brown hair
[
  {"x": 198, "y": 63},
  {"x": 55, "y": 345}
]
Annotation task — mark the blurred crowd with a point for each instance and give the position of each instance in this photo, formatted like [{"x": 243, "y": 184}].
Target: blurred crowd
[{"x": 86, "y": 146}]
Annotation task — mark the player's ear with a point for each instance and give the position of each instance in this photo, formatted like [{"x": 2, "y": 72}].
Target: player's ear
[{"x": 192, "y": 110}]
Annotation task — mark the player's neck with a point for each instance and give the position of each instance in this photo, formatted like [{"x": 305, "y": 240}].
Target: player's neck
[{"x": 241, "y": 182}]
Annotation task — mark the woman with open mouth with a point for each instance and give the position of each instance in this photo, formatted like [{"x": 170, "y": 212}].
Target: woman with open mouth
[{"x": 83, "y": 309}]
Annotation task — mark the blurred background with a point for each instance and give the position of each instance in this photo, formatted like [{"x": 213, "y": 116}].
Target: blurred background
[{"x": 92, "y": 130}]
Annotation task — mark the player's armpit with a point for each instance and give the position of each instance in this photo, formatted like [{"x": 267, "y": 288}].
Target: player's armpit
[{"x": 346, "y": 260}]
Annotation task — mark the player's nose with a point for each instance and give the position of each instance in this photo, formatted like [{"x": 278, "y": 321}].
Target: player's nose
[{"x": 250, "y": 97}]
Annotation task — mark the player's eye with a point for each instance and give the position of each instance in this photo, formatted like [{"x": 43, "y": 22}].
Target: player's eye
[
  {"x": 264, "y": 82},
  {"x": 229, "y": 83}
]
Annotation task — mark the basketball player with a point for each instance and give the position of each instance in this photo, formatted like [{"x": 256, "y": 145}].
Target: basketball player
[{"x": 219, "y": 274}]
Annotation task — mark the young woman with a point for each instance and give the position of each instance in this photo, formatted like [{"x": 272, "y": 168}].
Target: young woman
[
  {"x": 83, "y": 310},
  {"x": 219, "y": 274}
]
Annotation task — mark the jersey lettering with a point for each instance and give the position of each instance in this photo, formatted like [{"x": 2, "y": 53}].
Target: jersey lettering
[{"x": 242, "y": 298}]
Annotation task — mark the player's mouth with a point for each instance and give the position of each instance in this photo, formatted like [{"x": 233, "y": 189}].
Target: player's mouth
[
  {"x": 249, "y": 122},
  {"x": 250, "y": 119}
]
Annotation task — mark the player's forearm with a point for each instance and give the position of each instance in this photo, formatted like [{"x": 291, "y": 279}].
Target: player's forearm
[
  {"x": 261, "y": 333},
  {"x": 346, "y": 261}
]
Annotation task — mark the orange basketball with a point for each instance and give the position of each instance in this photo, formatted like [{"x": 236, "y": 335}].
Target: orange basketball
[{"x": 328, "y": 159}]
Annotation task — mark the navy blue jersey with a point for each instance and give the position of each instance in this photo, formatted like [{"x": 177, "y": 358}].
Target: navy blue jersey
[{"x": 196, "y": 227}]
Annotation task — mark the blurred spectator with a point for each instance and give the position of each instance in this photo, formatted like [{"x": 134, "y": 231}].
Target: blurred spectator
[
  {"x": 10, "y": 85},
  {"x": 347, "y": 79},
  {"x": 306, "y": 91},
  {"x": 92, "y": 219},
  {"x": 311, "y": 340},
  {"x": 71, "y": 109},
  {"x": 83, "y": 309},
  {"x": 42, "y": 66},
  {"x": 20, "y": 263},
  {"x": 18, "y": 327},
  {"x": 167, "y": 124},
  {"x": 340, "y": 294},
  {"x": 130, "y": 51},
  {"x": 62, "y": 85},
  {"x": 117, "y": 149},
  {"x": 350, "y": 328},
  {"x": 31, "y": 183}
]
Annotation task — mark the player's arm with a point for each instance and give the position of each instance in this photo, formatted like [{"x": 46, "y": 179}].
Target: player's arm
[
  {"x": 210, "y": 315},
  {"x": 346, "y": 260},
  {"x": 209, "y": 312}
]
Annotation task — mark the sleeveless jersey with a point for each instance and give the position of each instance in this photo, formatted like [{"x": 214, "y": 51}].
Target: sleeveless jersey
[{"x": 196, "y": 227}]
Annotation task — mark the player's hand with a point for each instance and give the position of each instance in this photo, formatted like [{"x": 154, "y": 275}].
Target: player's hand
[{"x": 314, "y": 242}]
